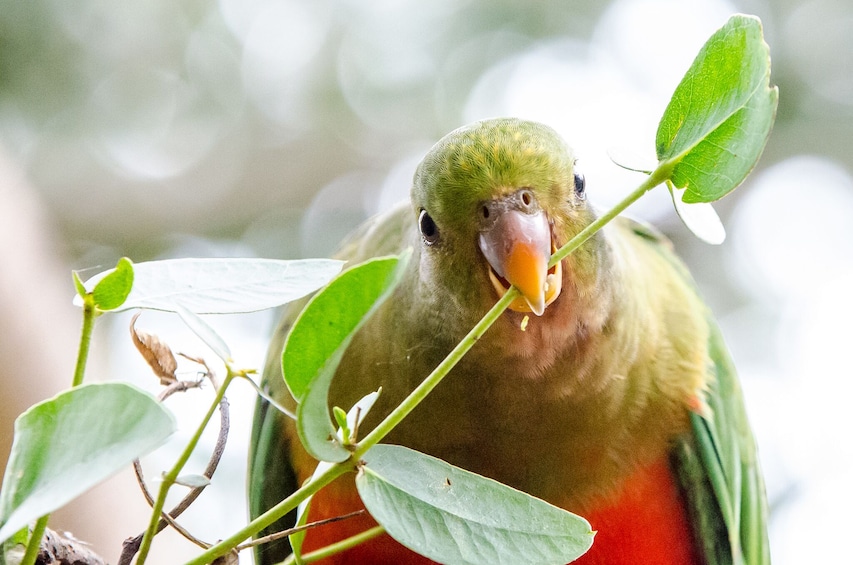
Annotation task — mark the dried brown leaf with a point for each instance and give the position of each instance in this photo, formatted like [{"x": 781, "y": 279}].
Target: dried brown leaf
[{"x": 158, "y": 355}]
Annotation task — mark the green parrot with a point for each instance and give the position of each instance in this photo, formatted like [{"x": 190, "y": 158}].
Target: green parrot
[{"x": 605, "y": 388}]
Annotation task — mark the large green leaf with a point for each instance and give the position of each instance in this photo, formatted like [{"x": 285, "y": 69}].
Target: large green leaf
[
  {"x": 73, "y": 441},
  {"x": 319, "y": 338},
  {"x": 718, "y": 120},
  {"x": 222, "y": 286},
  {"x": 453, "y": 516}
]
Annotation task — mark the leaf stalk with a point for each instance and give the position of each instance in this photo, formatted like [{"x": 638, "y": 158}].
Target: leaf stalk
[
  {"x": 90, "y": 312},
  {"x": 34, "y": 543}
]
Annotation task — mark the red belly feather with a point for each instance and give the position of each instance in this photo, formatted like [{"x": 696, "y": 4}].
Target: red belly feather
[{"x": 647, "y": 523}]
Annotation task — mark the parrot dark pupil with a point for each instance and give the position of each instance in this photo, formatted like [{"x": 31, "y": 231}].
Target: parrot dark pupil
[
  {"x": 580, "y": 185},
  {"x": 429, "y": 231}
]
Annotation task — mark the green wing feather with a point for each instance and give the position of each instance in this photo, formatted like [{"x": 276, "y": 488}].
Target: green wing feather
[
  {"x": 718, "y": 463},
  {"x": 720, "y": 472},
  {"x": 271, "y": 477}
]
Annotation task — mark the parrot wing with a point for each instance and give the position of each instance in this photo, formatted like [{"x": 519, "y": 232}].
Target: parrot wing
[
  {"x": 720, "y": 473},
  {"x": 271, "y": 475},
  {"x": 717, "y": 464}
]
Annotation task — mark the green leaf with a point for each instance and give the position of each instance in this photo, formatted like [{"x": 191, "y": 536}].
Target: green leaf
[
  {"x": 319, "y": 338},
  {"x": 73, "y": 441},
  {"x": 204, "y": 332},
  {"x": 717, "y": 123},
  {"x": 13, "y": 549},
  {"x": 700, "y": 218},
  {"x": 193, "y": 481},
  {"x": 360, "y": 410},
  {"x": 112, "y": 290},
  {"x": 454, "y": 516},
  {"x": 223, "y": 286},
  {"x": 78, "y": 284},
  {"x": 341, "y": 420},
  {"x": 348, "y": 422}
]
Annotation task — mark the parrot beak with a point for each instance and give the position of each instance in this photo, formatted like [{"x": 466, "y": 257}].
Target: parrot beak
[{"x": 517, "y": 245}]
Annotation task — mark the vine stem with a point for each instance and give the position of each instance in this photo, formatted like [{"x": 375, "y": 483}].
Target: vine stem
[
  {"x": 661, "y": 174},
  {"x": 428, "y": 384},
  {"x": 658, "y": 176},
  {"x": 89, "y": 315},
  {"x": 338, "y": 546},
  {"x": 170, "y": 477},
  {"x": 33, "y": 546}
]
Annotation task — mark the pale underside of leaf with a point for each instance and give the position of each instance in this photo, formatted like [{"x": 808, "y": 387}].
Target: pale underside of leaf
[
  {"x": 222, "y": 286},
  {"x": 700, "y": 218},
  {"x": 68, "y": 444},
  {"x": 453, "y": 516},
  {"x": 205, "y": 332}
]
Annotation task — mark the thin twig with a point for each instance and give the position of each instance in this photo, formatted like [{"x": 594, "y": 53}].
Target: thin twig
[
  {"x": 208, "y": 372},
  {"x": 177, "y": 386},
  {"x": 295, "y": 530},
  {"x": 143, "y": 486},
  {"x": 131, "y": 545},
  {"x": 171, "y": 476},
  {"x": 183, "y": 531}
]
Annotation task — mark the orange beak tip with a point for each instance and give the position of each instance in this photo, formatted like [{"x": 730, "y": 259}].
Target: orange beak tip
[{"x": 537, "y": 304}]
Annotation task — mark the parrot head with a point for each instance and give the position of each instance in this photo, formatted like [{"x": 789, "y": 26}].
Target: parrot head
[{"x": 494, "y": 200}]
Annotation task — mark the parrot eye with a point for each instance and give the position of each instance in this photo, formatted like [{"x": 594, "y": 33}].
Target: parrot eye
[
  {"x": 580, "y": 185},
  {"x": 429, "y": 231}
]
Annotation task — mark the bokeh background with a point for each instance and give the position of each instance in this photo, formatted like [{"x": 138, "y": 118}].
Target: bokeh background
[{"x": 270, "y": 128}]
